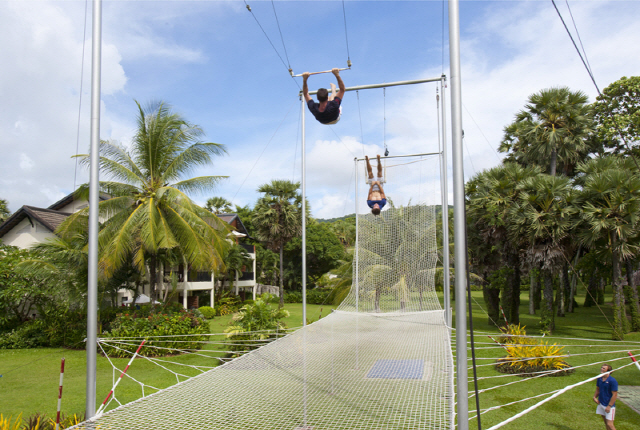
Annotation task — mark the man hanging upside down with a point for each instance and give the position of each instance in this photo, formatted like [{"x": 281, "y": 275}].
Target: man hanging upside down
[
  {"x": 328, "y": 110},
  {"x": 376, "y": 198}
]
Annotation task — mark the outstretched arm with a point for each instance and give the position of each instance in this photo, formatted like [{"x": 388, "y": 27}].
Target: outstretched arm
[
  {"x": 341, "y": 86},
  {"x": 305, "y": 88}
]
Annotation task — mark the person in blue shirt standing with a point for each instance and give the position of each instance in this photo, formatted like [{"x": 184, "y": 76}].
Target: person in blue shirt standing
[
  {"x": 328, "y": 110},
  {"x": 606, "y": 395}
]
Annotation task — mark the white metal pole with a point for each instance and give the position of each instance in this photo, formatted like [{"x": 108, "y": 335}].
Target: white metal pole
[
  {"x": 304, "y": 222},
  {"x": 94, "y": 192},
  {"x": 355, "y": 258},
  {"x": 304, "y": 263},
  {"x": 458, "y": 216},
  {"x": 445, "y": 208}
]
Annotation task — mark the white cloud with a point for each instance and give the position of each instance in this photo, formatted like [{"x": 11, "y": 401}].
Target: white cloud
[{"x": 26, "y": 163}]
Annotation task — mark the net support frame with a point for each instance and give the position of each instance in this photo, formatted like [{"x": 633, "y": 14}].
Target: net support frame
[
  {"x": 460, "y": 342},
  {"x": 460, "y": 247}
]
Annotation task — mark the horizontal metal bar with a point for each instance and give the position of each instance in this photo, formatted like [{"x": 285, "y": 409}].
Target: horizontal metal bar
[
  {"x": 317, "y": 73},
  {"x": 389, "y": 84},
  {"x": 400, "y": 156}
]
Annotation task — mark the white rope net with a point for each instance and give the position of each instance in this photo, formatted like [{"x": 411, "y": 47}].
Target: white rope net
[{"x": 383, "y": 360}]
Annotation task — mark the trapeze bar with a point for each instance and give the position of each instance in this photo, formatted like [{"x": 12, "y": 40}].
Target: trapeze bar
[
  {"x": 388, "y": 84},
  {"x": 318, "y": 73},
  {"x": 402, "y": 156}
]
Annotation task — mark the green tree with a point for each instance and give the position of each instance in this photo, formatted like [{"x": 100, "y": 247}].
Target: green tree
[
  {"x": 611, "y": 195},
  {"x": 21, "y": 293},
  {"x": 4, "y": 210},
  {"x": 544, "y": 214},
  {"x": 551, "y": 131},
  {"x": 218, "y": 205},
  {"x": 148, "y": 210},
  {"x": 492, "y": 194},
  {"x": 278, "y": 218},
  {"x": 345, "y": 230},
  {"x": 324, "y": 253},
  {"x": 617, "y": 116},
  {"x": 254, "y": 324},
  {"x": 235, "y": 258}
]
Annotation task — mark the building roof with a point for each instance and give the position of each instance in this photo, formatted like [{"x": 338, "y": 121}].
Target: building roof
[
  {"x": 70, "y": 198},
  {"x": 48, "y": 217},
  {"x": 230, "y": 218}
]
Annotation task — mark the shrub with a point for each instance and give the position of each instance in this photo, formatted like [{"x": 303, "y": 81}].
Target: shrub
[
  {"x": 254, "y": 325},
  {"x": 227, "y": 305},
  {"x": 526, "y": 355},
  {"x": 207, "y": 312},
  {"x": 39, "y": 422},
  {"x": 293, "y": 297},
  {"x": 318, "y": 296},
  {"x": 134, "y": 326}
]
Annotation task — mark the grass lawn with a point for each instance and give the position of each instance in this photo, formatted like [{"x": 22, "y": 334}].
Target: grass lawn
[
  {"x": 30, "y": 377},
  {"x": 574, "y": 409}
]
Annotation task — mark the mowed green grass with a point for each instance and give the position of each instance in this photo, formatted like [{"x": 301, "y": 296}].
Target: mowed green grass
[
  {"x": 33, "y": 387},
  {"x": 30, "y": 377},
  {"x": 575, "y": 408}
]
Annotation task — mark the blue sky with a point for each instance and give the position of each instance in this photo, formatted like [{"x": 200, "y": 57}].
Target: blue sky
[{"x": 211, "y": 61}]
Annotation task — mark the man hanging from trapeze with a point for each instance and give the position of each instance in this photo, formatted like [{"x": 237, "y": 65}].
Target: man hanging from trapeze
[
  {"x": 328, "y": 110},
  {"x": 376, "y": 198}
]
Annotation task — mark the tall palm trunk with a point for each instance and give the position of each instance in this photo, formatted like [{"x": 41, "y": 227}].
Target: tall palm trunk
[
  {"x": 514, "y": 303},
  {"x": 560, "y": 296},
  {"x": 633, "y": 298},
  {"x": 281, "y": 305},
  {"x": 547, "y": 317},
  {"x": 618, "y": 298},
  {"x": 153, "y": 277},
  {"x": 532, "y": 292},
  {"x": 553, "y": 162}
]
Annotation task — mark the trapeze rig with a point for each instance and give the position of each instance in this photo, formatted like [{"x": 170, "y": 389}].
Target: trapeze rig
[{"x": 324, "y": 71}]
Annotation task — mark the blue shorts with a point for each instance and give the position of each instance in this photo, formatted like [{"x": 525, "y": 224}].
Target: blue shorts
[{"x": 380, "y": 203}]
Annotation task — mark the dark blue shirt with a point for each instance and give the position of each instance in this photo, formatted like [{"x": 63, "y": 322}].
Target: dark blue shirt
[
  {"x": 606, "y": 389},
  {"x": 331, "y": 110}
]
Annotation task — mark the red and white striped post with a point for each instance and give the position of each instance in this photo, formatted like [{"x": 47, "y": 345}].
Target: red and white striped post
[
  {"x": 498, "y": 343},
  {"x": 504, "y": 316},
  {"x": 634, "y": 360},
  {"x": 104, "y": 404},
  {"x": 60, "y": 394}
]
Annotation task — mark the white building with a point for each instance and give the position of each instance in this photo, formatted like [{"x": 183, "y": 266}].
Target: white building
[{"x": 30, "y": 225}]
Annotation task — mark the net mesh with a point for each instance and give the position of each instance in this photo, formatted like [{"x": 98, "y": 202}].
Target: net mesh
[{"x": 382, "y": 360}]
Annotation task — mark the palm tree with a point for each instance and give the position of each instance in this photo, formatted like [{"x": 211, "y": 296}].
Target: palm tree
[
  {"x": 491, "y": 196},
  {"x": 543, "y": 214},
  {"x": 611, "y": 194},
  {"x": 278, "y": 218},
  {"x": 148, "y": 210},
  {"x": 552, "y": 129},
  {"x": 218, "y": 205},
  {"x": 4, "y": 210},
  {"x": 235, "y": 259},
  {"x": 395, "y": 260}
]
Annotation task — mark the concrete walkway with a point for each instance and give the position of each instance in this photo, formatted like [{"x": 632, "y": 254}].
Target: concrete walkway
[{"x": 630, "y": 396}]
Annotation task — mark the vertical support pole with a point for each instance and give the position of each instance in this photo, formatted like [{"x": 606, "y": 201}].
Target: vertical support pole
[
  {"x": 355, "y": 257},
  {"x": 94, "y": 192},
  {"x": 304, "y": 220},
  {"x": 459, "y": 216},
  {"x": 355, "y": 268},
  {"x": 445, "y": 209},
  {"x": 304, "y": 264}
]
